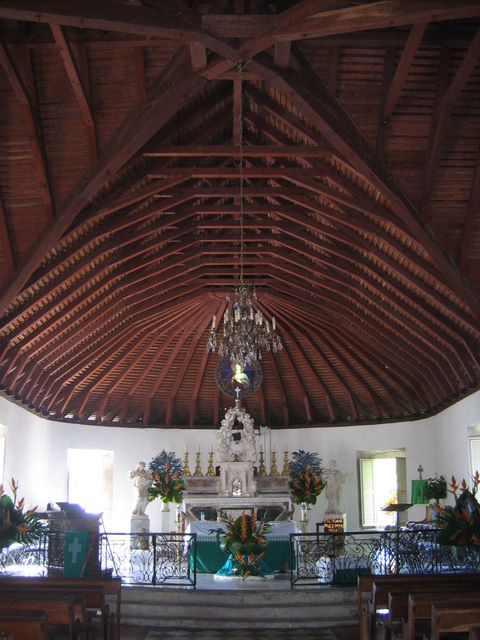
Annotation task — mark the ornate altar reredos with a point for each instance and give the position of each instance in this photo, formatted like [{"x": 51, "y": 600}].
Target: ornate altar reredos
[
  {"x": 237, "y": 486},
  {"x": 236, "y": 454}
]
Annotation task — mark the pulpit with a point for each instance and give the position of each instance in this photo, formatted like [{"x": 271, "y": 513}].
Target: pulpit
[{"x": 74, "y": 555}]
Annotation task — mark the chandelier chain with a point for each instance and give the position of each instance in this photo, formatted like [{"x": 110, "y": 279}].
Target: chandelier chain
[{"x": 241, "y": 175}]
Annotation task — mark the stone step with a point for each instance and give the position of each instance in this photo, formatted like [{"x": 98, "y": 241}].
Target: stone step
[{"x": 299, "y": 608}]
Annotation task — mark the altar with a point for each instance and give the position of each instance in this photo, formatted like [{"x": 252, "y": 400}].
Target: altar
[
  {"x": 240, "y": 484},
  {"x": 210, "y": 557}
]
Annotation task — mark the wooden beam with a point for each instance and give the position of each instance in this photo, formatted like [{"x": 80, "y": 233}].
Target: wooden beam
[
  {"x": 369, "y": 15},
  {"x": 77, "y": 88},
  {"x": 310, "y": 95},
  {"x": 233, "y": 151},
  {"x": 6, "y": 244},
  {"x": 408, "y": 54},
  {"x": 140, "y": 73},
  {"x": 159, "y": 22},
  {"x": 175, "y": 83},
  {"x": 198, "y": 55},
  {"x": 32, "y": 128},
  {"x": 442, "y": 113},
  {"x": 470, "y": 219},
  {"x": 281, "y": 54}
]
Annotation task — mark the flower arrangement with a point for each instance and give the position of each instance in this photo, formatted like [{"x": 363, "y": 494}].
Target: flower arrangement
[
  {"x": 245, "y": 540},
  {"x": 167, "y": 482},
  {"x": 435, "y": 488},
  {"x": 306, "y": 479},
  {"x": 17, "y": 525},
  {"x": 460, "y": 525}
]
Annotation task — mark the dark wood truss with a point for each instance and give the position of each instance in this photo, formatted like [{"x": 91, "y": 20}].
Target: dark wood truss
[{"x": 119, "y": 205}]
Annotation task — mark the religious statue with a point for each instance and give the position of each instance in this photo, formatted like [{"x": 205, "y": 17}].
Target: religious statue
[
  {"x": 142, "y": 480},
  {"x": 335, "y": 479}
]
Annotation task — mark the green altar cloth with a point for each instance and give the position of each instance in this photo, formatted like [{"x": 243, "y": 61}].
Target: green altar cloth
[{"x": 210, "y": 558}]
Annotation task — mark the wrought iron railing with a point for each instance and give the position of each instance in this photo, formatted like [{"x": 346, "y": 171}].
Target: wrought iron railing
[
  {"x": 170, "y": 559},
  {"x": 147, "y": 558},
  {"x": 338, "y": 558}
]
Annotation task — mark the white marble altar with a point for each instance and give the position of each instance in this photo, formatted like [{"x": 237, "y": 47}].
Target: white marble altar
[{"x": 237, "y": 488}]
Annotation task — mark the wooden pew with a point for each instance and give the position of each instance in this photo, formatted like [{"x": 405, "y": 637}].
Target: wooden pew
[
  {"x": 417, "y": 604},
  {"x": 453, "y": 619},
  {"x": 59, "y": 608},
  {"x": 90, "y": 603},
  {"x": 112, "y": 588},
  {"x": 24, "y": 625},
  {"x": 382, "y": 585},
  {"x": 420, "y": 608}
]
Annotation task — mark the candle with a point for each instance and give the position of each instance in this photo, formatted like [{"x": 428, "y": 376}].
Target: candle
[
  {"x": 214, "y": 319},
  {"x": 273, "y": 322}
]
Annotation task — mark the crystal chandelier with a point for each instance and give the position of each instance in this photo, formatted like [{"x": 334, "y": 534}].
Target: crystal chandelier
[{"x": 245, "y": 330}]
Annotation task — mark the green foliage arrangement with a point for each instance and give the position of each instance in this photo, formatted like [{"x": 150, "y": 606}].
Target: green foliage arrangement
[
  {"x": 16, "y": 524},
  {"x": 245, "y": 540},
  {"x": 306, "y": 479},
  {"x": 435, "y": 488},
  {"x": 167, "y": 483},
  {"x": 460, "y": 525}
]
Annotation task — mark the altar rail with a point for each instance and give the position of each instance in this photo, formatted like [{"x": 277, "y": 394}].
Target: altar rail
[
  {"x": 338, "y": 558},
  {"x": 149, "y": 558}
]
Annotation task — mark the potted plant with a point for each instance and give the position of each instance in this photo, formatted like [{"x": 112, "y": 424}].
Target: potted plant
[
  {"x": 460, "y": 525},
  {"x": 435, "y": 489},
  {"x": 244, "y": 539},
  {"x": 306, "y": 479},
  {"x": 16, "y": 524},
  {"x": 167, "y": 483}
]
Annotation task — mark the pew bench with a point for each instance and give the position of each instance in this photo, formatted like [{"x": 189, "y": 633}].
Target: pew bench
[
  {"x": 453, "y": 620},
  {"x": 419, "y": 613},
  {"x": 90, "y": 588},
  {"x": 60, "y": 608},
  {"x": 380, "y": 587},
  {"x": 24, "y": 625}
]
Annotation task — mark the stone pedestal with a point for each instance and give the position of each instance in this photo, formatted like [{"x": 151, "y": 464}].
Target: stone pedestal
[
  {"x": 165, "y": 518},
  {"x": 139, "y": 524}
]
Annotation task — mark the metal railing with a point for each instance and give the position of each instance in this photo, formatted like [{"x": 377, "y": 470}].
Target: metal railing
[
  {"x": 138, "y": 559},
  {"x": 170, "y": 559},
  {"x": 338, "y": 558}
]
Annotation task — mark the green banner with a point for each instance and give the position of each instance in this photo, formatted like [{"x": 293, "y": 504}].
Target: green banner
[{"x": 75, "y": 553}]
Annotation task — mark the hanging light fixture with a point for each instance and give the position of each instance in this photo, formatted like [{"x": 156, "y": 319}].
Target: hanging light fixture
[{"x": 245, "y": 330}]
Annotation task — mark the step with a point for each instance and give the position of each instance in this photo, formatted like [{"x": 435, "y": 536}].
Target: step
[{"x": 191, "y": 608}]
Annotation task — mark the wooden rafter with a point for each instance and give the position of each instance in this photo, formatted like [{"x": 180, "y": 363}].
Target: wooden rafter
[
  {"x": 32, "y": 125},
  {"x": 77, "y": 88}
]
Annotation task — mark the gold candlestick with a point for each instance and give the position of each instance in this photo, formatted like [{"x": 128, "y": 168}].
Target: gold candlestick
[
  {"x": 261, "y": 464},
  {"x": 273, "y": 464},
  {"x": 198, "y": 466},
  {"x": 186, "y": 468},
  {"x": 211, "y": 468},
  {"x": 285, "y": 470}
]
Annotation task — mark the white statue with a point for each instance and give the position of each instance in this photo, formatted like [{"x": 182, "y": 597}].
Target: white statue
[
  {"x": 142, "y": 480},
  {"x": 335, "y": 479}
]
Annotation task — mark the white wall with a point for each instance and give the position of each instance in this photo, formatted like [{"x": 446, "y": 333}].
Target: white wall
[{"x": 36, "y": 453}]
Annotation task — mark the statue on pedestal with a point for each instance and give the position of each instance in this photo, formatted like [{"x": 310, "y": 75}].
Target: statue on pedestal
[
  {"x": 335, "y": 479},
  {"x": 142, "y": 480}
]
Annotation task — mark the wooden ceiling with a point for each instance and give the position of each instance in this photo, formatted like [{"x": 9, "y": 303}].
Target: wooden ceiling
[{"x": 120, "y": 159}]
